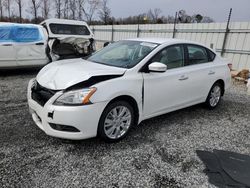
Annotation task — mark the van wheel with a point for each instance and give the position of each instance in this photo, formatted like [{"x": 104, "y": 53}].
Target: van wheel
[
  {"x": 214, "y": 96},
  {"x": 116, "y": 121}
]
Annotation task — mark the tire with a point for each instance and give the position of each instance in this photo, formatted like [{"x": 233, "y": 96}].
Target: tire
[
  {"x": 214, "y": 96},
  {"x": 116, "y": 121}
]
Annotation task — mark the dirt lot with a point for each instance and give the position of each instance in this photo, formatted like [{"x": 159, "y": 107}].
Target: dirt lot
[{"x": 158, "y": 153}]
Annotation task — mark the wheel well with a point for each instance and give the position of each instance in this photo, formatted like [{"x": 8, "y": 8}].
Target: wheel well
[
  {"x": 222, "y": 83},
  {"x": 131, "y": 101}
]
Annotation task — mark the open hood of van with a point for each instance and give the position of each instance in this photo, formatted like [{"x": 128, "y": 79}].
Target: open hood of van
[{"x": 61, "y": 75}]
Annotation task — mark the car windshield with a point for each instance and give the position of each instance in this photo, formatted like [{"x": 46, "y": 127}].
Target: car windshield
[{"x": 124, "y": 54}]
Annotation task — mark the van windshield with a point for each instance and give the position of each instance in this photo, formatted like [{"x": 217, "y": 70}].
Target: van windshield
[{"x": 125, "y": 54}]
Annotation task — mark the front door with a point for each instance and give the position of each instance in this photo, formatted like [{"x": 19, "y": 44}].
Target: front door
[{"x": 167, "y": 91}]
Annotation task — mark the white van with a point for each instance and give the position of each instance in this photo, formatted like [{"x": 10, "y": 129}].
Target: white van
[{"x": 23, "y": 45}]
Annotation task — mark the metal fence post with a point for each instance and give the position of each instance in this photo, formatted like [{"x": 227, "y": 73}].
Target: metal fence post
[
  {"x": 175, "y": 21},
  {"x": 112, "y": 34},
  {"x": 138, "y": 31},
  {"x": 212, "y": 45},
  {"x": 226, "y": 33}
]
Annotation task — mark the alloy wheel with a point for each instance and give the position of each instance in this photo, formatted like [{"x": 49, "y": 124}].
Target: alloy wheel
[
  {"x": 117, "y": 122},
  {"x": 215, "y": 96}
]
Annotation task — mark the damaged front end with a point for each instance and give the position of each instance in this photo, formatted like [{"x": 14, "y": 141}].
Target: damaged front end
[{"x": 42, "y": 94}]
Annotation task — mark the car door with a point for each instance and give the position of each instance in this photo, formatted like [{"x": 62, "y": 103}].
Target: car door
[
  {"x": 30, "y": 46},
  {"x": 201, "y": 72},
  {"x": 7, "y": 51},
  {"x": 167, "y": 91}
]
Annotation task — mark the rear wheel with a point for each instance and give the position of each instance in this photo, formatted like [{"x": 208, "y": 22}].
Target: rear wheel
[
  {"x": 116, "y": 121},
  {"x": 214, "y": 96}
]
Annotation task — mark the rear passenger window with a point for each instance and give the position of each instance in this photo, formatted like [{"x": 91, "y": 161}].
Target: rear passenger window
[
  {"x": 197, "y": 55},
  {"x": 172, "y": 56}
]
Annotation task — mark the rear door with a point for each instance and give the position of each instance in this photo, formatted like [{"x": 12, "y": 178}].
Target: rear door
[
  {"x": 30, "y": 46},
  {"x": 201, "y": 70},
  {"x": 7, "y": 51}
]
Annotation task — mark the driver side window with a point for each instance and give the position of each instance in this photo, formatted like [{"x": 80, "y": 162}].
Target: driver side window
[{"x": 172, "y": 56}]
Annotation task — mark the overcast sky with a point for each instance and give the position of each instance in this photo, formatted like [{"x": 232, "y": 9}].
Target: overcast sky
[{"x": 216, "y": 9}]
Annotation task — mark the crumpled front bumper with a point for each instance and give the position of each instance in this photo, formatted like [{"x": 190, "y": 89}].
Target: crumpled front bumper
[{"x": 85, "y": 118}]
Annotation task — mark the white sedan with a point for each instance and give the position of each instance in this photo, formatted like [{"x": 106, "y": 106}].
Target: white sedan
[{"x": 123, "y": 84}]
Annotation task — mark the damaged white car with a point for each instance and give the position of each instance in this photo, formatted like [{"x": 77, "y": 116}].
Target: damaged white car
[
  {"x": 123, "y": 84},
  {"x": 23, "y": 45}
]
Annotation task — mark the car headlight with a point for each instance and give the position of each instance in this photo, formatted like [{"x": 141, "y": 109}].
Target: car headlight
[{"x": 77, "y": 97}]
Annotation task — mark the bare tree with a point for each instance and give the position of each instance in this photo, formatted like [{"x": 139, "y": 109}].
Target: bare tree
[
  {"x": 46, "y": 8},
  {"x": 58, "y": 6},
  {"x": 7, "y": 5},
  {"x": 66, "y": 9},
  {"x": 104, "y": 12},
  {"x": 35, "y": 6},
  {"x": 20, "y": 7},
  {"x": 154, "y": 15},
  {"x": 80, "y": 5},
  {"x": 1, "y": 10},
  {"x": 72, "y": 5},
  {"x": 90, "y": 9},
  {"x": 168, "y": 19}
]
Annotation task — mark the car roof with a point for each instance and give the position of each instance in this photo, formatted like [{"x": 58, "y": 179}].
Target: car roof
[
  {"x": 64, "y": 21},
  {"x": 170, "y": 41},
  {"x": 164, "y": 41},
  {"x": 19, "y": 24}
]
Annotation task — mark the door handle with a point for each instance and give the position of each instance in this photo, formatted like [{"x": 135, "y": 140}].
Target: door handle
[
  {"x": 183, "y": 77},
  {"x": 40, "y": 43},
  {"x": 211, "y": 72},
  {"x": 7, "y": 44}
]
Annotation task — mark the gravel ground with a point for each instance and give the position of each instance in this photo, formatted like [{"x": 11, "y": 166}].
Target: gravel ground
[{"x": 160, "y": 152}]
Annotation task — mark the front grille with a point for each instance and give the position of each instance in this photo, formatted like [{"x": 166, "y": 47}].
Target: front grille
[{"x": 41, "y": 94}]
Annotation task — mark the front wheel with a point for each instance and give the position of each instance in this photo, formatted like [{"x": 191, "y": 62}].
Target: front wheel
[
  {"x": 116, "y": 121},
  {"x": 214, "y": 96}
]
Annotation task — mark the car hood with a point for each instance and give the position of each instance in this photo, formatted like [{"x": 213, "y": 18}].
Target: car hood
[{"x": 61, "y": 75}]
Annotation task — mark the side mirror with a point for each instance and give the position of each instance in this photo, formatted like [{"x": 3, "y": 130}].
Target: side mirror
[{"x": 157, "y": 67}]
